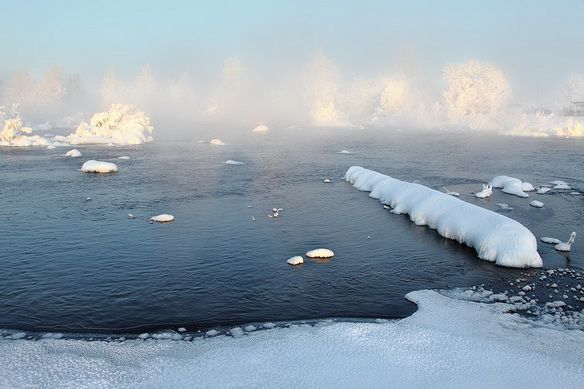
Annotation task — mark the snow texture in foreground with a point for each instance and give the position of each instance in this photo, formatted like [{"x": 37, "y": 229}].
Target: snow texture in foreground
[
  {"x": 495, "y": 237},
  {"x": 121, "y": 125},
  {"x": 511, "y": 185},
  {"x": 93, "y": 166},
  {"x": 447, "y": 343}
]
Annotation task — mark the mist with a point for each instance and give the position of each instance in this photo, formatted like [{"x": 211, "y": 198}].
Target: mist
[{"x": 300, "y": 66}]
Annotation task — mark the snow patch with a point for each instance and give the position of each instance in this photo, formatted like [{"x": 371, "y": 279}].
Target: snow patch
[
  {"x": 232, "y": 162},
  {"x": 73, "y": 153},
  {"x": 297, "y": 260},
  {"x": 320, "y": 253},
  {"x": 261, "y": 128}
]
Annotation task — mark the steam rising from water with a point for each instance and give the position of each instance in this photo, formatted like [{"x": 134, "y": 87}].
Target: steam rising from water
[{"x": 474, "y": 95}]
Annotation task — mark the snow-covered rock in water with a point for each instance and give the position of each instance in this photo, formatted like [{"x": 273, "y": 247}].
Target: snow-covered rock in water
[
  {"x": 527, "y": 187},
  {"x": 543, "y": 190},
  {"x": 486, "y": 192},
  {"x": 232, "y": 162},
  {"x": 446, "y": 343},
  {"x": 51, "y": 147},
  {"x": 162, "y": 218},
  {"x": 73, "y": 153},
  {"x": 345, "y": 152},
  {"x": 327, "y": 181},
  {"x": 509, "y": 185},
  {"x": 562, "y": 186},
  {"x": 549, "y": 240},
  {"x": 320, "y": 253},
  {"x": 536, "y": 204},
  {"x": 504, "y": 206},
  {"x": 495, "y": 237},
  {"x": 124, "y": 157},
  {"x": 297, "y": 260},
  {"x": 121, "y": 125},
  {"x": 261, "y": 128},
  {"x": 93, "y": 166},
  {"x": 217, "y": 142}
]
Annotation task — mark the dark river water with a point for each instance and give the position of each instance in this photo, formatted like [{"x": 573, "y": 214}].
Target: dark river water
[{"x": 77, "y": 265}]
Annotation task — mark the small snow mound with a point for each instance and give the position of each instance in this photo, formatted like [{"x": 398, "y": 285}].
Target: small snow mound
[
  {"x": 217, "y": 142},
  {"x": 527, "y": 187},
  {"x": 543, "y": 190},
  {"x": 320, "y": 253},
  {"x": 261, "y": 128},
  {"x": 162, "y": 218},
  {"x": 297, "y": 260},
  {"x": 51, "y": 147},
  {"x": 232, "y": 162},
  {"x": 345, "y": 152},
  {"x": 536, "y": 204},
  {"x": 93, "y": 166},
  {"x": 547, "y": 239},
  {"x": 124, "y": 157},
  {"x": 73, "y": 153},
  {"x": 327, "y": 181},
  {"x": 510, "y": 185}
]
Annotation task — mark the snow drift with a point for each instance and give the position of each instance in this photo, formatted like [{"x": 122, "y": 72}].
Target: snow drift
[
  {"x": 121, "y": 125},
  {"x": 446, "y": 343},
  {"x": 495, "y": 237}
]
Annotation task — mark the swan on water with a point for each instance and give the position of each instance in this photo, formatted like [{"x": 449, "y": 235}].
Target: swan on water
[
  {"x": 486, "y": 192},
  {"x": 567, "y": 245}
]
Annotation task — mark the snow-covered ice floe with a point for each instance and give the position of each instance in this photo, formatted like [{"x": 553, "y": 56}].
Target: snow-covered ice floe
[
  {"x": 93, "y": 166},
  {"x": 495, "y": 237},
  {"x": 163, "y": 218},
  {"x": 121, "y": 125},
  {"x": 446, "y": 343},
  {"x": 217, "y": 142},
  {"x": 536, "y": 204},
  {"x": 511, "y": 185},
  {"x": 344, "y": 152}
]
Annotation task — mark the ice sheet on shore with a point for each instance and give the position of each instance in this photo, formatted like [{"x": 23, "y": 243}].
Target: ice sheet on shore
[
  {"x": 447, "y": 343},
  {"x": 121, "y": 125},
  {"x": 495, "y": 237}
]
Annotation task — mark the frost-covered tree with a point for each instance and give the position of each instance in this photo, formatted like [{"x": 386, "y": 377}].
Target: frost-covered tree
[
  {"x": 323, "y": 79},
  {"x": 11, "y": 125},
  {"x": 475, "y": 92},
  {"x": 394, "y": 95},
  {"x": 111, "y": 88}
]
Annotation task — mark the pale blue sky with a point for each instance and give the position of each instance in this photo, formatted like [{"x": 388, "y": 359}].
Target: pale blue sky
[{"x": 536, "y": 43}]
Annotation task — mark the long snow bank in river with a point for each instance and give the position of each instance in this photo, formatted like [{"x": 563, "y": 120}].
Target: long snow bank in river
[
  {"x": 495, "y": 237},
  {"x": 121, "y": 125},
  {"x": 446, "y": 343}
]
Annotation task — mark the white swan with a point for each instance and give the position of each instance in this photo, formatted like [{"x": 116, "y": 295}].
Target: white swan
[
  {"x": 455, "y": 194},
  {"x": 486, "y": 192},
  {"x": 566, "y": 246}
]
